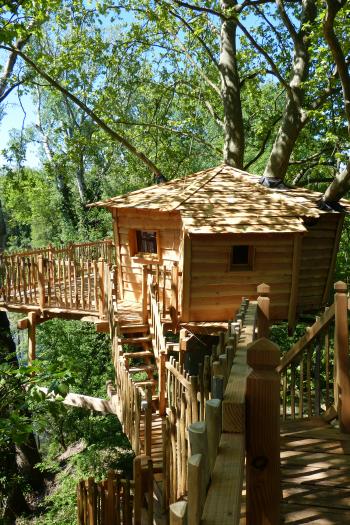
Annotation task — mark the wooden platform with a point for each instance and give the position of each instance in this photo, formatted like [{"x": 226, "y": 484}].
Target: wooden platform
[{"x": 315, "y": 463}]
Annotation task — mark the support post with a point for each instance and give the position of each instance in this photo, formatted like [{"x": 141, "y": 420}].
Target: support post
[
  {"x": 178, "y": 513},
  {"x": 196, "y": 495},
  {"x": 41, "y": 282},
  {"x": 144, "y": 294},
  {"x": 175, "y": 287},
  {"x": 263, "y": 434},
  {"x": 138, "y": 492},
  {"x": 198, "y": 437},
  {"x": 263, "y": 310},
  {"x": 101, "y": 288},
  {"x": 148, "y": 421},
  {"x": 31, "y": 337},
  {"x": 161, "y": 384},
  {"x": 213, "y": 419},
  {"x": 341, "y": 357}
]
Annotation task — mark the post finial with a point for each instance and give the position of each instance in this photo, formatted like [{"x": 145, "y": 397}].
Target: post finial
[
  {"x": 263, "y": 353},
  {"x": 263, "y": 289},
  {"x": 340, "y": 287}
]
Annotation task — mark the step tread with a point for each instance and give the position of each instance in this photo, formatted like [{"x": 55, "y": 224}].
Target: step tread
[
  {"x": 130, "y": 340},
  {"x": 144, "y": 353},
  {"x": 140, "y": 368},
  {"x": 134, "y": 328}
]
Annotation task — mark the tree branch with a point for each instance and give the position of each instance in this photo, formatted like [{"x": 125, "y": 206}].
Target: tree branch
[
  {"x": 100, "y": 122},
  {"x": 263, "y": 144},
  {"x": 264, "y": 54},
  {"x": 202, "y": 42},
  {"x": 171, "y": 130}
]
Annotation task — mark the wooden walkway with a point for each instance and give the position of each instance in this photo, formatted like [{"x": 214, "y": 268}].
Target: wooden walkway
[{"x": 315, "y": 465}]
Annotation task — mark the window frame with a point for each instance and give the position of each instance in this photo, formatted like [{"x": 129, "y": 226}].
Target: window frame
[
  {"x": 133, "y": 245},
  {"x": 246, "y": 267}
]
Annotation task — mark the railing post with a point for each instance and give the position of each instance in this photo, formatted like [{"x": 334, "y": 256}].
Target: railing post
[
  {"x": 148, "y": 421},
  {"x": 161, "y": 383},
  {"x": 41, "y": 282},
  {"x": 341, "y": 357},
  {"x": 175, "y": 287},
  {"x": 101, "y": 288},
  {"x": 144, "y": 294},
  {"x": 263, "y": 310},
  {"x": 263, "y": 434}
]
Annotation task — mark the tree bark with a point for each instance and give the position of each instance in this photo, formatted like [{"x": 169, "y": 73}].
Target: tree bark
[
  {"x": 341, "y": 183},
  {"x": 294, "y": 117},
  {"x": 230, "y": 91}
]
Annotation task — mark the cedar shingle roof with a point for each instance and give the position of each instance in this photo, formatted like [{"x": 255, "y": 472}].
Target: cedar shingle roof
[{"x": 226, "y": 200}]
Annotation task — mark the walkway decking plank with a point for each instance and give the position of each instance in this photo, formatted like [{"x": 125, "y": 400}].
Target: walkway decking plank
[{"x": 315, "y": 467}]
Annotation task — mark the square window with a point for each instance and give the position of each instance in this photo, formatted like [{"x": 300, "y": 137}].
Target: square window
[
  {"x": 242, "y": 257},
  {"x": 144, "y": 244},
  {"x": 146, "y": 241}
]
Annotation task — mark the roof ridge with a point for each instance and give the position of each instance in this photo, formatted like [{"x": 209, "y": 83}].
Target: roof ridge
[{"x": 185, "y": 198}]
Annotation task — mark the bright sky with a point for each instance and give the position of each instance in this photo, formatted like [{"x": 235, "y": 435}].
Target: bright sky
[{"x": 13, "y": 119}]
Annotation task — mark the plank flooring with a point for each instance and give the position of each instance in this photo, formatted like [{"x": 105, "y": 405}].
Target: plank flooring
[{"x": 315, "y": 467}]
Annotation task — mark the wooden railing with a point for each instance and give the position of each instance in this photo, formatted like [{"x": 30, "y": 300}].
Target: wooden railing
[
  {"x": 155, "y": 319},
  {"x": 85, "y": 250},
  {"x": 242, "y": 423},
  {"x": 116, "y": 499},
  {"x": 191, "y": 399},
  {"x": 315, "y": 371},
  {"x": 65, "y": 278}
]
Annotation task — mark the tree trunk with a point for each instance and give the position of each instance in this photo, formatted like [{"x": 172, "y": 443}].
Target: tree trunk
[
  {"x": 341, "y": 183},
  {"x": 294, "y": 117},
  {"x": 230, "y": 92}
]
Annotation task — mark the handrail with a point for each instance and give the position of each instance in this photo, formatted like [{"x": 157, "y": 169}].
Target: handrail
[
  {"x": 314, "y": 330},
  {"x": 56, "y": 249},
  {"x": 67, "y": 278}
]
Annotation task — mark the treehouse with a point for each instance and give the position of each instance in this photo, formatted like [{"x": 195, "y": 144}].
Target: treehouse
[{"x": 224, "y": 233}]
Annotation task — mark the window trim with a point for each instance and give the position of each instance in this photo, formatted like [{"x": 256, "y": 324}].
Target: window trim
[
  {"x": 246, "y": 267},
  {"x": 143, "y": 256}
]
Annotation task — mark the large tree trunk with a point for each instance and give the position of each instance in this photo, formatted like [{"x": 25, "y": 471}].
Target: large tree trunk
[
  {"x": 230, "y": 92},
  {"x": 294, "y": 117},
  {"x": 341, "y": 182}
]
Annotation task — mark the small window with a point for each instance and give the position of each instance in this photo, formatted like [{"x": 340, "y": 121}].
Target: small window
[
  {"x": 146, "y": 241},
  {"x": 144, "y": 244},
  {"x": 242, "y": 257}
]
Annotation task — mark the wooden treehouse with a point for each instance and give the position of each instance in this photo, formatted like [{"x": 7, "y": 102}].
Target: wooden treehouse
[{"x": 214, "y": 394}]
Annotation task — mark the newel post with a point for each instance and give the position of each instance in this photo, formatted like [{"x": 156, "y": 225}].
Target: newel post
[
  {"x": 101, "y": 288},
  {"x": 263, "y": 310},
  {"x": 263, "y": 434},
  {"x": 341, "y": 357}
]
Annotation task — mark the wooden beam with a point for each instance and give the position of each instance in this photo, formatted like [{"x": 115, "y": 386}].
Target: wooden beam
[
  {"x": 293, "y": 298},
  {"x": 341, "y": 357},
  {"x": 223, "y": 501},
  {"x": 327, "y": 288},
  {"x": 117, "y": 252},
  {"x": 186, "y": 278},
  {"x": 81, "y": 401},
  {"x": 31, "y": 337},
  {"x": 263, "y": 434}
]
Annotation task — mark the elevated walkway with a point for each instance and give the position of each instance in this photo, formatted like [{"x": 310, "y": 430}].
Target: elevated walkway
[{"x": 315, "y": 469}]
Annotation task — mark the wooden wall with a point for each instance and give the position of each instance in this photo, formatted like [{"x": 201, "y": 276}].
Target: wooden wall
[
  {"x": 168, "y": 226},
  {"x": 216, "y": 292},
  {"x": 319, "y": 249}
]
